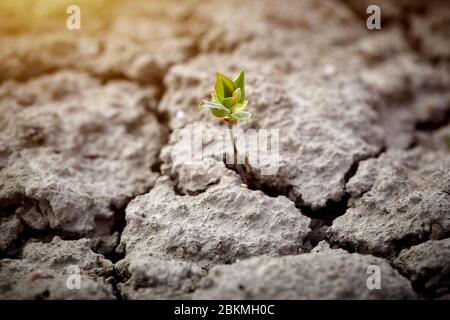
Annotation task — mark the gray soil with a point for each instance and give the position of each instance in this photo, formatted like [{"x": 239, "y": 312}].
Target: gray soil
[{"x": 90, "y": 131}]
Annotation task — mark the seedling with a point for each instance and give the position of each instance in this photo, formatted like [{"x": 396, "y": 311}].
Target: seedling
[{"x": 228, "y": 103}]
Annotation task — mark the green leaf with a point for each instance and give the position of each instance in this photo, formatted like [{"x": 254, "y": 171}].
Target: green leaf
[
  {"x": 228, "y": 102},
  {"x": 237, "y": 96},
  {"x": 218, "y": 86},
  {"x": 219, "y": 113},
  {"x": 240, "y": 83},
  {"x": 241, "y": 115},
  {"x": 240, "y": 106},
  {"x": 214, "y": 97},
  {"x": 217, "y": 109},
  {"x": 227, "y": 83}
]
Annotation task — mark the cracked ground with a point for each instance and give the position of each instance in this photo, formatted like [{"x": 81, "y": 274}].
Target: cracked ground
[{"x": 90, "y": 131}]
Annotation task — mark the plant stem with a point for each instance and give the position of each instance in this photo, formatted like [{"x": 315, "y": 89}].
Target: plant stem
[{"x": 235, "y": 152}]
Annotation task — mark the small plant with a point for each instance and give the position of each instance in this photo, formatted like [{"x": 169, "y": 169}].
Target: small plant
[
  {"x": 228, "y": 99},
  {"x": 228, "y": 103}
]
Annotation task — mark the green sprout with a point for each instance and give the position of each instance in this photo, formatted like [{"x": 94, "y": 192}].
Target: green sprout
[
  {"x": 228, "y": 99},
  {"x": 228, "y": 103}
]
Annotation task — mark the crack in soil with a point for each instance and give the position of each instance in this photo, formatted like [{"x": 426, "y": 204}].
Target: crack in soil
[
  {"x": 46, "y": 234},
  {"x": 321, "y": 218},
  {"x": 163, "y": 118}
]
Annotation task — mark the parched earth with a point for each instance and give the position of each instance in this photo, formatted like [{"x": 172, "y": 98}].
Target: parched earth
[{"x": 92, "y": 173}]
